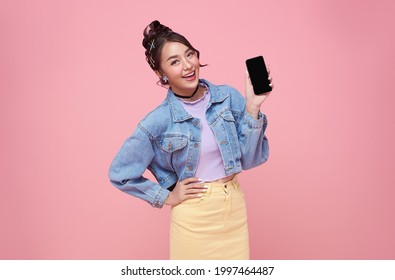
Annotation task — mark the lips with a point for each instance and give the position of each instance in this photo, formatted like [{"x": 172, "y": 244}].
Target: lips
[{"x": 190, "y": 76}]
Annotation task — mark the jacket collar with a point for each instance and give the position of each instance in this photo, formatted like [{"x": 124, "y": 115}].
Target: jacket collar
[{"x": 177, "y": 110}]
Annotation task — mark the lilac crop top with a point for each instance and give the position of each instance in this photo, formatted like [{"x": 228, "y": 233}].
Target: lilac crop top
[{"x": 210, "y": 164}]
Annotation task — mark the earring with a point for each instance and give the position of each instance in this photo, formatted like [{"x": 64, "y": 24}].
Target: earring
[{"x": 164, "y": 79}]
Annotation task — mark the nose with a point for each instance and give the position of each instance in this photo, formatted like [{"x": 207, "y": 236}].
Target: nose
[{"x": 187, "y": 64}]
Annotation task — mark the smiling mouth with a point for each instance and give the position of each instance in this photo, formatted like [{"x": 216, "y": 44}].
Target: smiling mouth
[{"x": 190, "y": 75}]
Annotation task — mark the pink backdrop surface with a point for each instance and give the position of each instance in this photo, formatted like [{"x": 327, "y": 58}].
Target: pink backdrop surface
[{"x": 74, "y": 83}]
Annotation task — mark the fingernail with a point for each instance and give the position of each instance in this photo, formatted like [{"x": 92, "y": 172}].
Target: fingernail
[
  {"x": 199, "y": 195},
  {"x": 206, "y": 187}
]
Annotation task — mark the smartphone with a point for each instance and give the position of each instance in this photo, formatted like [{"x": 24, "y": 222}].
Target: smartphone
[{"x": 258, "y": 74}]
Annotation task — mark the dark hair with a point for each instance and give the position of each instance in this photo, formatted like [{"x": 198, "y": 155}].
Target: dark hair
[{"x": 155, "y": 36}]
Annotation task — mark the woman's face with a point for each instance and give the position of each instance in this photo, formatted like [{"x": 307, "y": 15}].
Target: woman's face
[{"x": 180, "y": 65}]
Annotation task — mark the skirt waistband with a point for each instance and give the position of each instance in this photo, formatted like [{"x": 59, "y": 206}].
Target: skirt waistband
[{"x": 215, "y": 187}]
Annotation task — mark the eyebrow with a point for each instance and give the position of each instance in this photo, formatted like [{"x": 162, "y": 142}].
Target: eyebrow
[{"x": 175, "y": 56}]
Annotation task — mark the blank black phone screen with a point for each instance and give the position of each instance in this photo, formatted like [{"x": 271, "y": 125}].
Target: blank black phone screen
[{"x": 258, "y": 74}]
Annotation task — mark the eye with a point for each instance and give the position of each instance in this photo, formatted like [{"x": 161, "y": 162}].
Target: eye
[
  {"x": 190, "y": 54},
  {"x": 174, "y": 62}
]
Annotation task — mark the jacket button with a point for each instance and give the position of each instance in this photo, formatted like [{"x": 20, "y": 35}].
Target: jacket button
[
  {"x": 196, "y": 145},
  {"x": 190, "y": 168},
  {"x": 195, "y": 122}
]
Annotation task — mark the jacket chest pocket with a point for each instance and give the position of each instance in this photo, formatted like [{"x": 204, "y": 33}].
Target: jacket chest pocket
[{"x": 171, "y": 147}]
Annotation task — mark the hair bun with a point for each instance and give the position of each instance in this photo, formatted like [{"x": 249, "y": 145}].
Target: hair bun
[{"x": 153, "y": 30}]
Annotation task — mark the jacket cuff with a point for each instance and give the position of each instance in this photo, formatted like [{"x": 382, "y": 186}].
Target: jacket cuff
[
  {"x": 256, "y": 123},
  {"x": 160, "y": 198}
]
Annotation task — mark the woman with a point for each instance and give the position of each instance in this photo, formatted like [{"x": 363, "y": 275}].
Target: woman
[{"x": 194, "y": 143}]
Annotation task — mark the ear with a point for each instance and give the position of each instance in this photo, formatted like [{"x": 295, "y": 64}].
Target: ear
[{"x": 159, "y": 74}]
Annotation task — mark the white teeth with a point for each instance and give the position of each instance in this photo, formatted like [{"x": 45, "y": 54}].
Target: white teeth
[{"x": 190, "y": 75}]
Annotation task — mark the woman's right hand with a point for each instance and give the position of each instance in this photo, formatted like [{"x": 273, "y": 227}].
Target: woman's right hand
[{"x": 186, "y": 189}]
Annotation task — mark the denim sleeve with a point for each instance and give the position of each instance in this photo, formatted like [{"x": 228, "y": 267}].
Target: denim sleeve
[
  {"x": 128, "y": 166},
  {"x": 254, "y": 144}
]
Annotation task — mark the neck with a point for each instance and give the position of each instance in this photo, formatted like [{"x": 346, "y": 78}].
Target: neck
[{"x": 188, "y": 96}]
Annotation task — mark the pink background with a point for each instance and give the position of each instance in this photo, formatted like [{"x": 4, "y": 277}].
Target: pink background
[{"x": 74, "y": 84}]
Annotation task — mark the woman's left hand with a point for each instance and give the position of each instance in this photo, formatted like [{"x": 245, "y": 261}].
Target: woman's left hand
[{"x": 253, "y": 101}]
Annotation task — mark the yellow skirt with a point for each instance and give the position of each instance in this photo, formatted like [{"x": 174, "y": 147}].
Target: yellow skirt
[{"x": 211, "y": 227}]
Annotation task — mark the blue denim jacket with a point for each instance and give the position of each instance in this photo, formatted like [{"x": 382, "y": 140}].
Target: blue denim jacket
[{"x": 167, "y": 143}]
